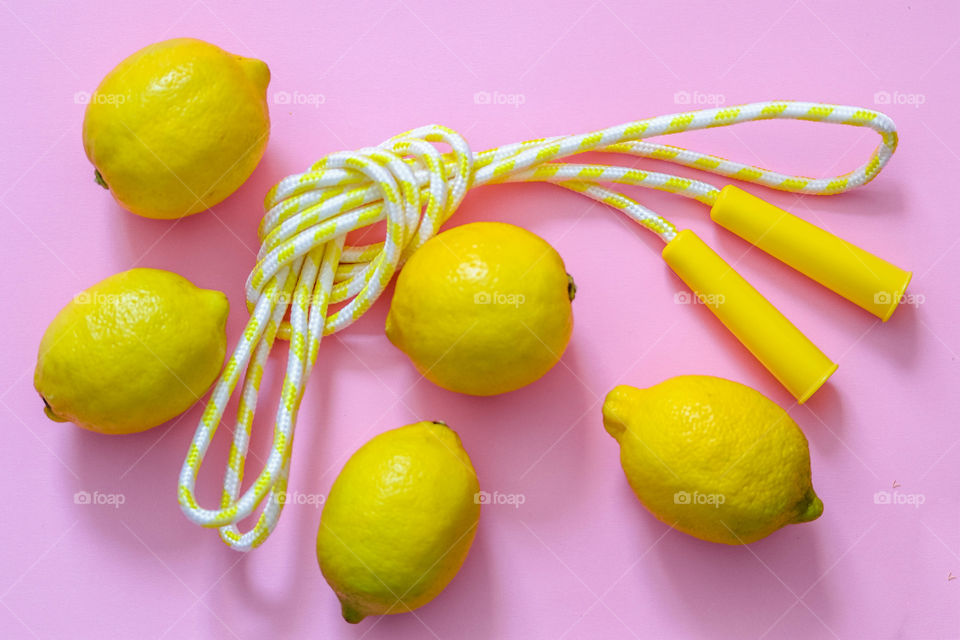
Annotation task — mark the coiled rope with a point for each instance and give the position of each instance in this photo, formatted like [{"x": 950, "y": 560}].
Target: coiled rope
[{"x": 304, "y": 265}]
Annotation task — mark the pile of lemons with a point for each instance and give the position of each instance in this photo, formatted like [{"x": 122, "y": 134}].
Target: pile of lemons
[{"x": 481, "y": 309}]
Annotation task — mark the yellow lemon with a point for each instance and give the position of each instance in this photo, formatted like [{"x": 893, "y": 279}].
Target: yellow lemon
[
  {"x": 483, "y": 308},
  {"x": 713, "y": 458},
  {"x": 177, "y": 127},
  {"x": 131, "y": 352},
  {"x": 399, "y": 521}
]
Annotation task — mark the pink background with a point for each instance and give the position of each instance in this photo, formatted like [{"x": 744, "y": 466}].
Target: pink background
[{"x": 580, "y": 558}]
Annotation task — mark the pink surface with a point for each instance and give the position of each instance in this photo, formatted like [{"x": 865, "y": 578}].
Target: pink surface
[{"x": 580, "y": 558}]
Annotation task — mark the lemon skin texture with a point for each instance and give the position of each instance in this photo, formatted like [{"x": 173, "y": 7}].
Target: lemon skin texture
[
  {"x": 398, "y": 521},
  {"x": 483, "y": 308},
  {"x": 177, "y": 127},
  {"x": 713, "y": 458},
  {"x": 131, "y": 352}
]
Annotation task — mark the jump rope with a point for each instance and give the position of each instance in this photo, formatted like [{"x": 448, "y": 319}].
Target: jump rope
[{"x": 304, "y": 265}]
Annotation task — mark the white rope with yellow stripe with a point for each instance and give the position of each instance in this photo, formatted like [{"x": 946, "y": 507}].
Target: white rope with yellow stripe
[{"x": 304, "y": 265}]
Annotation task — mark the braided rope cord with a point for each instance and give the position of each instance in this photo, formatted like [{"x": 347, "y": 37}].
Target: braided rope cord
[{"x": 304, "y": 265}]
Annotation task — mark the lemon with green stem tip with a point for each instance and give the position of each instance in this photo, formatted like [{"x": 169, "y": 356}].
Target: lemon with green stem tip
[
  {"x": 483, "y": 308},
  {"x": 713, "y": 458},
  {"x": 131, "y": 352},
  {"x": 177, "y": 127},
  {"x": 399, "y": 521}
]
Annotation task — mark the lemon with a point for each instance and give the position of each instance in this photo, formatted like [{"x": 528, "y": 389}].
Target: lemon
[
  {"x": 131, "y": 352},
  {"x": 399, "y": 521},
  {"x": 712, "y": 458},
  {"x": 177, "y": 127},
  {"x": 483, "y": 308}
]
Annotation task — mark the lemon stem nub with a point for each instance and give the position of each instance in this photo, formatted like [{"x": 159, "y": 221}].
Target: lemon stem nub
[
  {"x": 99, "y": 179},
  {"x": 813, "y": 511},
  {"x": 571, "y": 287},
  {"x": 48, "y": 410},
  {"x": 350, "y": 614}
]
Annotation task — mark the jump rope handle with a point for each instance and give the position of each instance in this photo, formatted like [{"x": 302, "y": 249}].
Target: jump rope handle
[
  {"x": 788, "y": 354},
  {"x": 859, "y": 276}
]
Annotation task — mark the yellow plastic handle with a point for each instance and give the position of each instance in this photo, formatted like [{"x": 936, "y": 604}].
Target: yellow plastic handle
[
  {"x": 857, "y": 275},
  {"x": 788, "y": 354}
]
